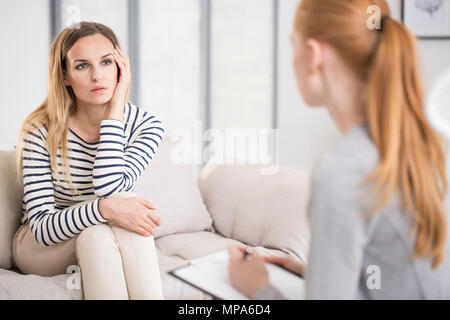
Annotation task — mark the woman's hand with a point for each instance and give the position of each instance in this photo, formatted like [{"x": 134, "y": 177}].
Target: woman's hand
[
  {"x": 288, "y": 263},
  {"x": 120, "y": 95},
  {"x": 134, "y": 214},
  {"x": 246, "y": 275}
]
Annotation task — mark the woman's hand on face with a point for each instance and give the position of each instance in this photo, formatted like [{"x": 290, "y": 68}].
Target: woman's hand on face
[
  {"x": 288, "y": 263},
  {"x": 118, "y": 100},
  {"x": 246, "y": 275},
  {"x": 134, "y": 214}
]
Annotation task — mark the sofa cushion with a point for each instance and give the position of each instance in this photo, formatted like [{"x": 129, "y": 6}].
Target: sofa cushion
[
  {"x": 16, "y": 286},
  {"x": 193, "y": 245},
  {"x": 173, "y": 190},
  {"x": 11, "y": 194},
  {"x": 174, "y": 289},
  {"x": 256, "y": 209}
]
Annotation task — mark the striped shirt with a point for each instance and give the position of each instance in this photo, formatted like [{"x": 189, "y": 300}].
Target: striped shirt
[{"x": 98, "y": 170}]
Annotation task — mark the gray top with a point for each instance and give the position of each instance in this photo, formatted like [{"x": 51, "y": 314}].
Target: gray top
[{"x": 353, "y": 257}]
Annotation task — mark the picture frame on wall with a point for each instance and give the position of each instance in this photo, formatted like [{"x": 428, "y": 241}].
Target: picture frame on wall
[{"x": 427, "y": 19}]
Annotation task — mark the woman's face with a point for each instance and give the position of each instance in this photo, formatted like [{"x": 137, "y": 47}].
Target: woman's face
[
  {"x": 306, "y": 64},
  {"x": 90, "y": 64}
]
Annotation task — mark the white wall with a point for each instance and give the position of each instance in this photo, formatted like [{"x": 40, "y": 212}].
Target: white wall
[
  {"x": 25, "y": 38},
  {"x": 434, "y": 54},
  {"x": 306, "y": 134}
]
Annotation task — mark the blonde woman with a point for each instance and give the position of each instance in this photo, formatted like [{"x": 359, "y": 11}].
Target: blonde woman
[
  {"x": 379, "y": 221},
  {"x": 79, "y": 155}
]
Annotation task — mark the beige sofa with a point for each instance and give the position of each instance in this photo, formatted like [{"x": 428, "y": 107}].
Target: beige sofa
[{"x": 226, "y": 204}]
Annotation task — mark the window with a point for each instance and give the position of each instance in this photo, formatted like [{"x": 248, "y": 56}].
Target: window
[
  {"x": 241, "y": 63},
  {"x": 170, "y": 60}
]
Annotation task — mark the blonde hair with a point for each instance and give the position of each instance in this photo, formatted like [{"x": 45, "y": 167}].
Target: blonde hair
[
  {"x": 412, "y": 158},
  {"x": 60, "y": 103}
]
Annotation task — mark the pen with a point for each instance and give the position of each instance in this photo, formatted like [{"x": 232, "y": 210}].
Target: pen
[{"x": 247, "y": 254}]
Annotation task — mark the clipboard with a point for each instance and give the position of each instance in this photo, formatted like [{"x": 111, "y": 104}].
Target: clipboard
[{"x": 209, "y": 274}]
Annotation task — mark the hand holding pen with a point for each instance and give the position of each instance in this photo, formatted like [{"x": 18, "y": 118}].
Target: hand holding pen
[{"x": 246, "y": 270}]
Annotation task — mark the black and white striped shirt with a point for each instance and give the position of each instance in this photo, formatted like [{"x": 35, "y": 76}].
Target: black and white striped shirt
[{"x": 98, "y": 170}]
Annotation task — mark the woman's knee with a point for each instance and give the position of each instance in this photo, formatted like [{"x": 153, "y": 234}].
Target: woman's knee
[
  {"x": 125, "y": 236},
  {"x": 99, "y": 235}
]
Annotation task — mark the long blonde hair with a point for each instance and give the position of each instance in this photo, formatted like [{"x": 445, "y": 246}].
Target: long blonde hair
[
  {"x": 60, "y": 103},
  {"x": 412, "y": 158}
]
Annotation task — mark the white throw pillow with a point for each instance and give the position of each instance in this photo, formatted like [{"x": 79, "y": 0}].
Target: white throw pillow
[
  {"x": 11, "y": 194},
  {"x": 173, "y": 190}
]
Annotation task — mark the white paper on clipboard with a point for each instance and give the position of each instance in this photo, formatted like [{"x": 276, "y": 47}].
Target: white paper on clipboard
[{"x": 210, "y": 274}]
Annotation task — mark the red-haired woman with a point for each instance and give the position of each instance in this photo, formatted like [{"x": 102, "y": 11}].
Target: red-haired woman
[{"x": 377, "y": 206}]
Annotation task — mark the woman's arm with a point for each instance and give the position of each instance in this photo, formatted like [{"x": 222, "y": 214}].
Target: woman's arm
[
  {"x": 116, "y": 167},
  {"x": 50, "y": 226}
]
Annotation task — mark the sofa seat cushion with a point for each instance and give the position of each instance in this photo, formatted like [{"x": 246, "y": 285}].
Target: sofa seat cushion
[
  {"x": 190, "y": 246},
  {"x": 174, "y": 289},
  {"x": 16, "y": 286}
]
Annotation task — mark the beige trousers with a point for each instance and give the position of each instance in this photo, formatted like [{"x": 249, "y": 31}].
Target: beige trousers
[{"x": 115, "y": 263}]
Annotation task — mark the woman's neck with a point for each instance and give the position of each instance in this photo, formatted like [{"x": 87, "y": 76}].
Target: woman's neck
[
  {"x": 88, "y": 117},
  {"x": 344, "y": 100},
  {"x": 346, "y": 113}
]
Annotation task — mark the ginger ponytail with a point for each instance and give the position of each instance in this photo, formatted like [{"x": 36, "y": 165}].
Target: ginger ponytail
[
  {"x": 412, "y": 156},
  {"x": 412, "y": 159}
]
